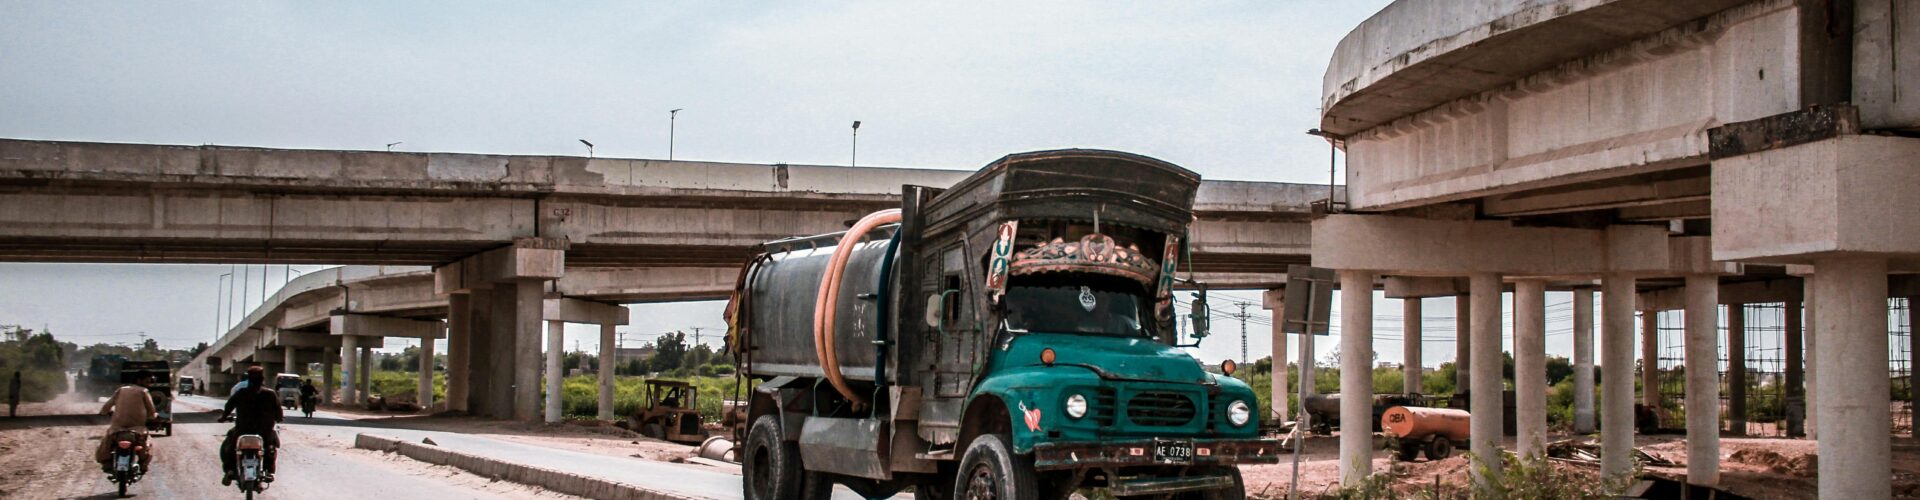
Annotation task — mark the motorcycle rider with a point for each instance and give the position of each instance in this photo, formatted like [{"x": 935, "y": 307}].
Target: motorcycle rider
[
  {"x": 252, "y": 411},
  {"x": 131, "y": 408},
  {"x": 309, "y": 396}
]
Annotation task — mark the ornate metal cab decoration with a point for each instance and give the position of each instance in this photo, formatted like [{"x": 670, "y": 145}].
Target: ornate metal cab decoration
[{"x": 1094, "y": 253}]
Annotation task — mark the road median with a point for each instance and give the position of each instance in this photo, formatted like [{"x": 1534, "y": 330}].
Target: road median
[{"x": 558, "y": 481}]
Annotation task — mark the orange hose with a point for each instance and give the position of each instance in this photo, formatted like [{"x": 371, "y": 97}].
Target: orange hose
[{"x": 829, "y": 296}]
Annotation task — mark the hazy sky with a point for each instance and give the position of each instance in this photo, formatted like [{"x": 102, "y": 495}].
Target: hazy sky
[{"x": 1223, "y": 88}]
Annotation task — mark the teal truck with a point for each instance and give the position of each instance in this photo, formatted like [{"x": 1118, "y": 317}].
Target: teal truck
[{"x": 1011, "y": 337}]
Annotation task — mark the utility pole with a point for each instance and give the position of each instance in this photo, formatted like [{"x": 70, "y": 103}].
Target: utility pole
[
  {"x": 696, "y": 335},
  {"x": 1243, "y": 335},
  {"x": 672, "y": 117}
]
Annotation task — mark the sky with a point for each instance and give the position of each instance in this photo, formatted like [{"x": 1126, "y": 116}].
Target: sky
[{"x": 1226, "y": 89}]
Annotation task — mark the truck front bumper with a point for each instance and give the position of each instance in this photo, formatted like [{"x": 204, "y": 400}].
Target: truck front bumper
[{"x": 1139, "y": 452}]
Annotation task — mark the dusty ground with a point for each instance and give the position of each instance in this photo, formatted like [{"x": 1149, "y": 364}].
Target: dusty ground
[{"x": 1760, "y": 468}]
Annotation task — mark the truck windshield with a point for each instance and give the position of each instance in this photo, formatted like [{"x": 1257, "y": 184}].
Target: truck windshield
[{"x": 1075, "y": 308}]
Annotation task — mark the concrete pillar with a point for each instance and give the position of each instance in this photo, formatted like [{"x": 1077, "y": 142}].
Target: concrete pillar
[
  {"x": 1488, "y": 387},
  {"x": 459, "y": 349},
  {"x": 1616, "y": 354},
  {"x": 1913, "y": 361},
  {"x": 326, "y": 377},
  {"x": 556, "y": 345},
  {"x": 1530, "y": 367},
  {"x": 1280, "y": 410},
  {"x": 1855, "y": 453},
  {"x": 292, "y": 362},
  {"x": 350, "y": 359},
  {"x": 1410, "y": 364},
  {"x": 1703, "y": 379},
  {"x": 606, "y": 369},
  {"x": 1583, "y": 416},
  {"x": 1809, "y": 335},
  {"x": 366, "y": 370},
  {"x": 1462, "y": 344},
  {"x": 425, "y": 389},
  {"x": 528, "y": 306},
  {"x": 480, "y": 354},
  {"x": 1796, "y": 390},
  {"x": 1737, "y": 369},
  {"x": 506, "y": 364},
  {"x": 1356, "y": 376},
  {"x": 1650, "y": 360}
]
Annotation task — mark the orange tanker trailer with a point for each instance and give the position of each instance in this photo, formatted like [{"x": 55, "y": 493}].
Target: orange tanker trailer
[{"x": 1417, "y": 429}]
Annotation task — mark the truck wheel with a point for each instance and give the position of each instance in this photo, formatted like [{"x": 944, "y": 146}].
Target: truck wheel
[
  {"x": 990, "y": 471},
  {"x": 654, "y": 431},
  {"x": 770, "y": 466},
  {"x": 1236, "y": 492},
  {"x": 1408, "y": 450},
  {"x": 1439, "y": 448}
]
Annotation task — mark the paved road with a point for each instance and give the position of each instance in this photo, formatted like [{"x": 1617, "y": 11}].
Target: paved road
[
  {"x": 691, "y": 480},
  {"x": 51, "y": 456}
]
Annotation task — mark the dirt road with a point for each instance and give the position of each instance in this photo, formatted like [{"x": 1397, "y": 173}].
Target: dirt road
[{"x": 48, "y": 453}]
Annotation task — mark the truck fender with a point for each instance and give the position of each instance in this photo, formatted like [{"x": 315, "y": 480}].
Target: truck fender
[
  {"x": 985, "y": 413},
  {"x": 771, "y": 398}
]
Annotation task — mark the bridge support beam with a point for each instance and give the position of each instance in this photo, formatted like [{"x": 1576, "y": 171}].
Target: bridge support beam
[
  {"x": 1583, "y": 421},
  {"x": 1356, "y": 376},
  {"x": 558, "y": 313},
  {"x": 459, "y": 350},
  {"x": 424, "y": 393},
  {"x": 1703, "y": 384},
  {"x": 1274, "y": 300},
  {"x": 1530, "y": 368},
  {"x": 350, "y": 358},
  {"x": 506, "y": 288},
  {"x": 606, "y": 372}
]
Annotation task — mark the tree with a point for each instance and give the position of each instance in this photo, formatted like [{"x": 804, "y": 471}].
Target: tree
[
  {"x": 1558, "y": 369},
  {"x": 670, "y": 352}
]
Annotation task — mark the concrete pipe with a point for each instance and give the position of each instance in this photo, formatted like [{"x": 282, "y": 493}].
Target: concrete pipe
[
  {"x": 1419, "y": 422},
  {"x": 717, "y": 448}
]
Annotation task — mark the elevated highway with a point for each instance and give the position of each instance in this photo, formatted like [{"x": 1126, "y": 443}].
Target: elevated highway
[{"x": 485, "y": 250}]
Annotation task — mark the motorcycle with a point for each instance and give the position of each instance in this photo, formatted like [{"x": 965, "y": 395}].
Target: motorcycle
[
  {"x": 307, "y": 403},
  {"x": 252, "y": 476},
  {"x": 127, "y": 447}
]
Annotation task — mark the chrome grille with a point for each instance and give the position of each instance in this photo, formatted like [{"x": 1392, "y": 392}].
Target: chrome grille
[{"x": 1160, "y": 409}]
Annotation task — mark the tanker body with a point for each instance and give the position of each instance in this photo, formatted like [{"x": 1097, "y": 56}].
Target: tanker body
[{"x": 1010, "y": 337}]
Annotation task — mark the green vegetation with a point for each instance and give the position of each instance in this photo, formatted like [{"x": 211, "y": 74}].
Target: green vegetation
[
  {"x": 579, "y": 395},
  {"x": 40, "y": 361}
]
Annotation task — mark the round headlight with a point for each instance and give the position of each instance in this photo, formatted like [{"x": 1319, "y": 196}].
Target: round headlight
[
  {"x": 1076, "y": 406},
  {"x": 1238, "y": 413}
]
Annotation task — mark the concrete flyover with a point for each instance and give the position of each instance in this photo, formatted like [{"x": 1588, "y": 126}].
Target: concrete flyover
[
  {"x": 493, "y": 241},
  {"x": 1676, "y": 154}
]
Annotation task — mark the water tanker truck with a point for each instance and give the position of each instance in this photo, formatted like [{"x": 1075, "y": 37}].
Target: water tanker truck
[{"x": 1011, "y": 337}]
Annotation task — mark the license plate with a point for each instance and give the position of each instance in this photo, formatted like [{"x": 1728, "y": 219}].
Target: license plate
[
  {"x": 1172, "y": 451},
  {"x": 122, "y": 463}
]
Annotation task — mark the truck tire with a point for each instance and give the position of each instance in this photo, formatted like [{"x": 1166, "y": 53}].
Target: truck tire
[
  {"x": 990, "y": 471},
  {"x": 1408, "y": 450},
  {"x": 770, "y": 466},
  {"x": 1236, "y": 492},
  {"x": 1439, "y": 448}
]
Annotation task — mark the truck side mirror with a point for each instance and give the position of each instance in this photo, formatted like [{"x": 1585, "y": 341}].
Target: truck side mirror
[{"x": 1200, "y": 317}]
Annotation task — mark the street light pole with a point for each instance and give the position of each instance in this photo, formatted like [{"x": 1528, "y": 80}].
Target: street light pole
[
  {"x": 589, "y": 147},
  {"x": 855, "y": 162},
  {"x": 672, "y": 116}
]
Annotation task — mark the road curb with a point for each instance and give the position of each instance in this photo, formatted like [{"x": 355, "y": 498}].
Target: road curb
[{"x": 563, "y": 482}]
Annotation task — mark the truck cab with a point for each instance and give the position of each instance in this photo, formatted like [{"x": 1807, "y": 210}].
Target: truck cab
[{"x": 1012, "y": 336}]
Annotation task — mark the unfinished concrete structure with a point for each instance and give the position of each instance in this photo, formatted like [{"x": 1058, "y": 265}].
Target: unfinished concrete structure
[
  {"x": 1640, "y": 145},
  {"x": 498, "y": 237}
]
